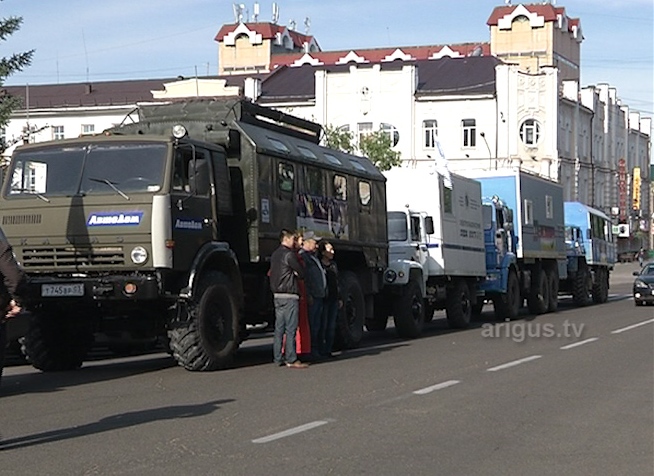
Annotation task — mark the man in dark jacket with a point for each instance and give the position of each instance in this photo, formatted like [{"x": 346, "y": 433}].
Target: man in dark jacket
[
  {"x": 285, "y": 270},
  {"x": 13, "y": 279}
]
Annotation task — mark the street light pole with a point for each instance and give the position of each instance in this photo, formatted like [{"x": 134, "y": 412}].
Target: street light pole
[{"x": 490, "y": 155}]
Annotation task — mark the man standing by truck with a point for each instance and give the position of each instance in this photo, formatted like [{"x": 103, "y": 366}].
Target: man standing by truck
[{"x": 285, "y": 271}]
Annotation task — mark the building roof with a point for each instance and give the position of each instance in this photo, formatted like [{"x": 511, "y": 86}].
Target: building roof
[
  {"x": 548, "y": 11},
  {"x": 104, "y": 93},
  {"x": 444, "y": 76},
  {"x": 378, "y": 55},
  {"x": 268, "y": 31}
]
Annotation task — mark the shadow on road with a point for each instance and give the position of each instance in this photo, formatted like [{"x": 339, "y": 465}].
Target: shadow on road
[
  {"x": 97, "y": 372},
  {"x": 114, "y": 422}
]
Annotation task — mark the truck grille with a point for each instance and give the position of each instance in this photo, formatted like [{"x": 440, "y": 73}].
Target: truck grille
[{"x": 69, "y": 256}]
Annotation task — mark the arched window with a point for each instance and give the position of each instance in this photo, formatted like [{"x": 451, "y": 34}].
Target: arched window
[
  {"x": 391, "y": 131},
  {"x": 530, "y": 132}
]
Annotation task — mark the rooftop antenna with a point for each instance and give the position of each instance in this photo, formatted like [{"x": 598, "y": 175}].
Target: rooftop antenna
[
  {"x": 307, "y": 25},
  {"x": 238, "y": 12},
  {"x": 255, "y": 12},
  {"x": 291, "y": 24},
  {"x": 275, "y": 13},
  {"x": 508, "y": 2}
]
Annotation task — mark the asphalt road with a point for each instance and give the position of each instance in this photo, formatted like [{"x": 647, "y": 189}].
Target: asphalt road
[{"x": 565, "y": 393}]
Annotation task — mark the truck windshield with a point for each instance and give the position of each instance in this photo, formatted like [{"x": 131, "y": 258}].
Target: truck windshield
[
  {"x": 88, "y": 170},
  {"x": 397, "y": 228}
]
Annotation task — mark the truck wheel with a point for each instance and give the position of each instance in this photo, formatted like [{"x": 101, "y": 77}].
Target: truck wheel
[
  {"x": 539, "y": 295},
  {"x": 409, "y": 311},
  {"x": 208, "y": 338},
  {"x": 507, "y": 306},
  {"x": 580, "y": 288},
  {"x": 553, "y": 285},
  {"x": 3, "y": 347},
  {"x": 349, "y": 328},
  {"x": 458, "y": 308},
  {"x": 54, "y": 342},
  {"x": 601, "y": 286}
]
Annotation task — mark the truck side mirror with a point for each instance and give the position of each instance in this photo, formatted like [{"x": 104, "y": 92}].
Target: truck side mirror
[{"x": 429, "y": 225}]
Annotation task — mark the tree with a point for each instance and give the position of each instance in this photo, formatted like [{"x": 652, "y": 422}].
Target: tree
[
  {"x": 375, "y": 145},
  {"x": 10, "y": 65}
]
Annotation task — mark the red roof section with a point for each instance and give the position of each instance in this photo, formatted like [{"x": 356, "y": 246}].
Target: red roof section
[
  {"x": 546, "y": 10},
  {"x": 376, "y": 55},
  {"x": 267, "y": 30}
]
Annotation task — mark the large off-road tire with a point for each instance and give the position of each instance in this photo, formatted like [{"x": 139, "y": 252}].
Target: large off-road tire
[
  {"x": 351, "y": 317},
  {"x": 3, "y": 347},
  {"x": 458, "y": 308},
  {"x": 580, "y": 285},
  {"x": 601, "y": 286},
  {"x": 409, "y": 311},
  {"x": 55, "y": 342},
  {"x": 539, "y": 294},
  {"x": 208, "y": 338},
  {"x": 553, "y": 285},
  {"x": 507, "y": 306}
]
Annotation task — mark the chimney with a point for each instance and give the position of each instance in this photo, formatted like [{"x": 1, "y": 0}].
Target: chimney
[{"x": 252, "y": 88}]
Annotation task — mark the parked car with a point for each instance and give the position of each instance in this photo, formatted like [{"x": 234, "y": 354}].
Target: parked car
[{"x": 644, "y": 285}]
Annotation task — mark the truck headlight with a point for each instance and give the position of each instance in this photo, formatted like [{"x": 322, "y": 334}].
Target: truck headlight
[
  {"x": 390, "y": 276},
  {"x": 139, "y": 255},
  {"x": 179, "y": 131}
]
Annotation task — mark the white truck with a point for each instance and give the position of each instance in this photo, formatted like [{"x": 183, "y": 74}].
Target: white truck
[{"x": 436, "y": 250}]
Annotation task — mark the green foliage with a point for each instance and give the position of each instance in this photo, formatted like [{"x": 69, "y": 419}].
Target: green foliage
[
  {"x": 10, "y": 65},
  {"x": 339, "y": 139},
  {"x": 376, "y": 146}
]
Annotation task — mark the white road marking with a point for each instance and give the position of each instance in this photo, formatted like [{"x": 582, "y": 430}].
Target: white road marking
[
  {"x": 514, "y": 363},
  {"x": 577, "y": 344},
  {"x": 628, "y": 328},
  {"x": 291, "y": 431},
  {"x": 438, "y": 386}
]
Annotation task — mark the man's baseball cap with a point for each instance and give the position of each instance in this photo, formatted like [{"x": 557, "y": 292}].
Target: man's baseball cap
[{"x": 310, "y": 235}]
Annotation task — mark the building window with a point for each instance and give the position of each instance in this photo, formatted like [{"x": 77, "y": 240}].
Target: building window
[
  {"x": 530, "y": 132},
  {"x": 430, "y": 133},
  {"x": 469, "y": 132},
  {"x": 88, "y": 129},
  {"x": 58, "y": 132},
  {"x": 391, "y": 131},
  {"x": 363, "y": 129}
]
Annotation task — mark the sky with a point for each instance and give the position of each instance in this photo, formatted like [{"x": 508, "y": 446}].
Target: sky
[{"x": 82, "y": 40}]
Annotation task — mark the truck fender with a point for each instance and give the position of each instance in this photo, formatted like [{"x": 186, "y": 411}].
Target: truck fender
[
  {"x": 213, "y": 256},
  {"x": 399, "y": 272},
  {"x": 509, "y": 261}
]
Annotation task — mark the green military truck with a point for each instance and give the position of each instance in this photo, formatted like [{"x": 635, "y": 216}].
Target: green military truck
[{"x": 164, "y": 228}]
